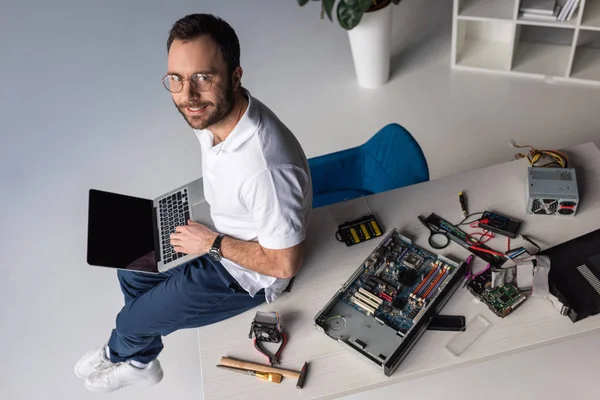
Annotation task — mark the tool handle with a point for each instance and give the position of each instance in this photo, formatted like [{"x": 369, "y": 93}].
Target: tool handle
[
  {"x": 267, "y": 376},
  {"x": 232, "y": 362}
]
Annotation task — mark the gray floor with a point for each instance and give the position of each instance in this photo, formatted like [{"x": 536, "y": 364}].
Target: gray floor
[{"x": 81, "y": 106}]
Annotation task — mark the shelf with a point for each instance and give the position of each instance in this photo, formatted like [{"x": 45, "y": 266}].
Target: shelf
[
  {"x": 542, "y": 50},
  {"x": 486, "y": 9},
  {"x": 591, "y": 14},
  {"x": 539, "y": 58},
  {"x": 553, "y": 24},
  {"x": 485, "y": 54},
  {"x": 586, "y": 64},
  {"x": 591, "y": 28},
  {"x": 484, "y": 44},
  {"x": 586, "y": 61}
]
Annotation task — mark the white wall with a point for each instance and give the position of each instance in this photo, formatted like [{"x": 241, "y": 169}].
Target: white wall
[{"x": 82, "y": 106}]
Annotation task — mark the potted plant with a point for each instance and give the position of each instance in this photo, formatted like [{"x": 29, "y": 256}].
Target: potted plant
[{"x": 369, "y": 26}]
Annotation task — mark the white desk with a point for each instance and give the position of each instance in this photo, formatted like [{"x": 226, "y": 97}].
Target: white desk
[{"x": 333, "y": 370}]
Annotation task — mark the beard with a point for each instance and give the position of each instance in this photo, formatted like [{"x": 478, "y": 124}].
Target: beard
[{"x": 215, "y": 111}]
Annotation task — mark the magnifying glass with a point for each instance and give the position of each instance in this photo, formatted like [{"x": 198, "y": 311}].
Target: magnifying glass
[{"x": 437, "y": 238}]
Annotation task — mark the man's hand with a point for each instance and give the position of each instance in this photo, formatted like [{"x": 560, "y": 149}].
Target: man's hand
[
  {"x": 196, "y": 238},
  {"x": 193, "y": 238}
]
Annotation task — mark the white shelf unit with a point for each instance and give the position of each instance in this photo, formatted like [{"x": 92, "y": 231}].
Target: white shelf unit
[
  {"x": 591, "y": 15},
  {"x": 586, "y": 61},
  {"x": 484, "y": 44},
  {"x": 492, "y": 35}
]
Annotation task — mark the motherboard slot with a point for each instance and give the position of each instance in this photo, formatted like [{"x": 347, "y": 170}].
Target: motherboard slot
[
  {"x": 368, "y": 309},
  {"x": 366, "y": 300},
  {"x": 425, "y": 282},
  {"x": 441, "y": 281},
  {"x": 382, "y": 282},
  {"x": 370, "y": 295},
  {"x": 386, "y": 297},
  {"x": 433, "y": 283}
]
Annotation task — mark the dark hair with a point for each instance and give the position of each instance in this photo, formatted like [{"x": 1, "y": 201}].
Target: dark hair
[{"x": 194, "y": 26}]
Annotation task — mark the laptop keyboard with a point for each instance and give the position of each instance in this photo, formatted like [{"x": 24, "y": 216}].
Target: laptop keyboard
[{"x": 174, "y": 211}]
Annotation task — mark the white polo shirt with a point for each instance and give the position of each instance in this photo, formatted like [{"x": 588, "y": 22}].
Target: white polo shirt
[{"x": 257, "y": 183}]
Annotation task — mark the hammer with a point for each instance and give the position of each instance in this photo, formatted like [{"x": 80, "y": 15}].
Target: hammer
[{"x": 301, "y": 376}]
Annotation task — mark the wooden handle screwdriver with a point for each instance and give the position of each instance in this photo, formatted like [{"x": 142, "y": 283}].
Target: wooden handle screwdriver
[{"x": 265, "y": 376}]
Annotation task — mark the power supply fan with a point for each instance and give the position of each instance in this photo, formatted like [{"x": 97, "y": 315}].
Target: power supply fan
[{"x": 544, "y": 206}]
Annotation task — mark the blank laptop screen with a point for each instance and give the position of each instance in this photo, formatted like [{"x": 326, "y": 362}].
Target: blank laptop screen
[{"x": 120, "y": 232}]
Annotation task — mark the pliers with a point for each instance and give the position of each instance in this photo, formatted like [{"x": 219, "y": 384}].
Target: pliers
[{"x": 273, "y": 358}]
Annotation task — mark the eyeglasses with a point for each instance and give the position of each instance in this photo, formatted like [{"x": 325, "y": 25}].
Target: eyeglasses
[{"x": 200, "y": 82}]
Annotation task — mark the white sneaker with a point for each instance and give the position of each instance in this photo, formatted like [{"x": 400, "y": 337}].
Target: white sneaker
[
  {"x": 92, "y": 361},
  {"x": 124, "y": 374}
]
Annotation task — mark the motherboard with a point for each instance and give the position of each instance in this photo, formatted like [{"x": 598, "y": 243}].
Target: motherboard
[
  {"x": 386, "y": 305},
  {"x": 397, "y": 282}
]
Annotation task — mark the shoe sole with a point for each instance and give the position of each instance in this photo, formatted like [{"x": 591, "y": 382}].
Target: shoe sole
[{"x": 146, "y": 383}]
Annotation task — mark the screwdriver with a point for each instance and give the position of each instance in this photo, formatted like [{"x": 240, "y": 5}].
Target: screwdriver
[
  {"x": 463, "y": 204},
  {"x": 265, "y": 376}
]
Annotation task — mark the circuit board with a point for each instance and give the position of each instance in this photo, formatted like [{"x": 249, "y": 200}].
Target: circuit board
[
  {"x": 386, "y": 305},
  {"x": 396, "y": 283},
  {"x": 502, "y": 300}
]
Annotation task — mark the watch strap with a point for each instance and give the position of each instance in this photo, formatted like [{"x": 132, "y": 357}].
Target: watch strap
[{"x": 217, "y": 243}]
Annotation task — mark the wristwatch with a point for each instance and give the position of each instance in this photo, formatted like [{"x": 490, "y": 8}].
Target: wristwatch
[{"x": 215, "y": 250}]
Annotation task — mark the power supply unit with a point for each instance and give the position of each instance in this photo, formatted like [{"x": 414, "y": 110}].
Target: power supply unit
[{"x": 552, "y": 191}]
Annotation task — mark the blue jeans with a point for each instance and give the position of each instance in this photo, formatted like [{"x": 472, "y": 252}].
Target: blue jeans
[{"x": 191, "y": 295}]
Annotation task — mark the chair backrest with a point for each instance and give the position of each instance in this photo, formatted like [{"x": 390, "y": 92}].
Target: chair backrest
[{"x": 391, "y": 159}]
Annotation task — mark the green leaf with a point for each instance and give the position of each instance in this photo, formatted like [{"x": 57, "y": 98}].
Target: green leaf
[
  {"x": 396, "y": 1},
  {"x": 302, "y": 2},
  {"x": 349, "y": 13},
  {"x": 365, "y": 5},
  {"x": 327, "y": 6}
]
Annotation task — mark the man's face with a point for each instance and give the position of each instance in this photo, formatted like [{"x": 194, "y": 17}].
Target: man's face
[{"x": 201, "y": 109}]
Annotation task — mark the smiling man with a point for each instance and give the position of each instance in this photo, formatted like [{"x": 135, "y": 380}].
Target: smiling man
[{"x": 257, "y": 183}]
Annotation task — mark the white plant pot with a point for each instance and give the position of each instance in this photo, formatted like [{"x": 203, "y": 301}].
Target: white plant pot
[{"x": 370, "y": 42}]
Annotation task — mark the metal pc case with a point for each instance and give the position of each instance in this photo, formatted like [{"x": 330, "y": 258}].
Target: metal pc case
[{"x": 382, "y": 310}]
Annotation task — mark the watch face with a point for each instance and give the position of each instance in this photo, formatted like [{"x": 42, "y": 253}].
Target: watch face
[{"x": 214, "y": 254}]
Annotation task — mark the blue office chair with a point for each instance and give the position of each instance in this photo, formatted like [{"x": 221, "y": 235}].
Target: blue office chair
[{"x": 391, "y": 159}]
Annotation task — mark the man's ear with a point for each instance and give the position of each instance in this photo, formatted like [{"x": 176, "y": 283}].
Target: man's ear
[{"x": 237, "y": 78}]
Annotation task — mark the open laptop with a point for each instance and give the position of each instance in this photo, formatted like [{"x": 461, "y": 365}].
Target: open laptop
[{"x": 132, "y": 233}]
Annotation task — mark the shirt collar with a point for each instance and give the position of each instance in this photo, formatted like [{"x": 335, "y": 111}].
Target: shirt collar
[{"x": 242, "y": 131}]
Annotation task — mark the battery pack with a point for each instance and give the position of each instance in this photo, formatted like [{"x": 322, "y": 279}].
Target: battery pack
[{"x": 359, "y": 231}]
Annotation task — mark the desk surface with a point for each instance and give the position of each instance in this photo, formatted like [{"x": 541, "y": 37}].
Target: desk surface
[{"x": 335, "y": 371}]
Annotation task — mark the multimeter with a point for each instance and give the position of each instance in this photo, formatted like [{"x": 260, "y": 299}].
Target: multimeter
[{"x": 499, "y": 224}]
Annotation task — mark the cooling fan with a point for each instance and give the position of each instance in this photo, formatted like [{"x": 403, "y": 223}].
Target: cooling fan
[
  {"x": 552, "y": 191},
  {"x": 266, "y": 327},
  {"x": 544, "y": 206}
]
